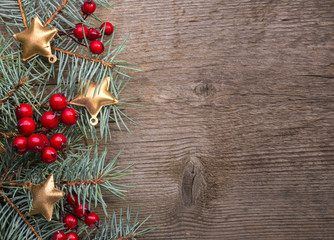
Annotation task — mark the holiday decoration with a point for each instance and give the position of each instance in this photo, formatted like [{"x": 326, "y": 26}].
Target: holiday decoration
[
  {"x": 44, "y": 197},
  {"x": 26, "y": 126},
  {"x": 93, "y": 34},
  {"x": 46, "y": 140},
  {"x": 70, "y": 221},
  {"x": 69, "y": 116},
  {"x": 92, "y": 219},
  {"x": 72, "y": 236},
  {"x": 59, "y": 235},
  {"x": 58, "y": 102},
  {"x": 36, "y": 40},
  {"x": 93, "y": 100},
  {"x": 49, "y": 155},
  {"x": 58, "y": 141},
  {"x": 72, "y": 199},
  {"x": 80, "y": 30},
  {"x": 88, "y": 7},
  {"x": 50, "y": 120},
  {"x": 20, "y": 145},
  {"x": 108, "y": 28},
  {"x": 96, "y": 47},
  {"x": 35, "y": 143},
  {"x": 24, "y": 110},
  {"x": 80, "y": 210},
  {"x": 40, "y": 134}
]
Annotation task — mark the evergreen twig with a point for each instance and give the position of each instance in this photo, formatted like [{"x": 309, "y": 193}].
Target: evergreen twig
[{"x": 21, "y": 215}]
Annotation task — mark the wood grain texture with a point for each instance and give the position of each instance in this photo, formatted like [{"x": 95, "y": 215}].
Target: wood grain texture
[{"x": 236, "y": 141}]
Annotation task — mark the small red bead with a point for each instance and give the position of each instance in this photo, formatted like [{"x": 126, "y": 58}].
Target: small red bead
[
  {"x": 49, "y": 155},
  {"x": 80, "y": 30},
  {"x": 109, "y": 28},
  {"x": 92, "y": 219},
  {"x": 72, "y": 236},
  {"x": 72, "y": 200},
  {"x": 59, "y": 235},
  {"x": 96, "y": 47},
  {"x": 88, "y": 7},
  {"x": 35, "y": 143},
  {"x": 24, "y": 110},
  {"x": 58, "y": 102},
  {"x": 26, "y": 126},
  {"x": 70, "y": 221},
  {"x": 93, "y": 34},
  {"x": 79, "y": 210},
  {"x": 69, "y": 116},
  {"x": 58, "y": 141},
  {"x": 20, "y": 145},
  {"x": 50, "y": 120},
  {"x": 46, "y": 140}
]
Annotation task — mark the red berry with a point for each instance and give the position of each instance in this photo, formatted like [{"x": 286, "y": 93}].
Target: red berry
[
  {"x": 92, "y": 219},
  {"x": 72, "y": 236},
  {"x": 93, "y": 34},
  {"x": 50, "y": 120},
  {"x": 20, "y": 145},
  {"x": 45, "y": 139},
  {"x": 72, "y": 200},
  {"x": 58, "y": 141},
  {"x": 79, "y": 210},
  {"x": 24, "y": 110},
  {"x": 26, "y": 126},
  {"x": 59, "y": 235},
  {"x": 70, "y": 221},
  {"x": 49, "y": 155},
  {"x": 35, "y": 143},
  {"x": 88, "y": 7},
  {"x": 58, "y": 102},
  {"x": 69, "y": 116},
  {"x": 80, "y": 30},
  {"x": 96, "y": 47},
  {"x": 109, "y": 28}
]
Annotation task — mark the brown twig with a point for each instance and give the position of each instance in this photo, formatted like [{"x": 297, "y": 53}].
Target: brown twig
[
  {"x": 104, "y": 63},
  {"x": 56, "y": 12},
  {"x": 63, "y": 182},
  {"x": 9, "y": 135},
  {"x": 22, "y": 82},
  {"x": 125, "y": 237},
  {"x": 21, "y": 215},
  {"x": 22, "y": 13}
]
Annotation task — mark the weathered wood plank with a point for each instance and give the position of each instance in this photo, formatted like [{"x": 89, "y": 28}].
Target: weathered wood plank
[{"x": 236, "y": 141}]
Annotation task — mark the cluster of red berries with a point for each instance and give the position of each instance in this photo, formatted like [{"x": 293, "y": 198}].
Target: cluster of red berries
[
  {"x": 92, "y": 34},
  {"x": 49, "y": 120},
  {"x": 71, "y": 221}
]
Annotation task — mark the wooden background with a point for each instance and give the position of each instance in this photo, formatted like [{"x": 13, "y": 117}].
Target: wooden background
[{"x": 236, "y": 141}]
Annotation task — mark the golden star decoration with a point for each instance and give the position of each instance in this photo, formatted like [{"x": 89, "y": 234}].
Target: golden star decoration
[
  {"x": 44, "y": 196},
  {"x": 36, "y": 40},
  {"x": 95, "y": 98}
]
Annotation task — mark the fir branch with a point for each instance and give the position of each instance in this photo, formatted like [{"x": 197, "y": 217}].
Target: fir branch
[
  {"x": 16, "y": 88},
  {"x": 104, "y": 63},
  {"x": 56, "y": 12},
  {"x": 21, "y": 215},
  {"x": 22, "y": 13},
  {"x": 126, "y": 237},
  {"x": 9, "y": 135}
]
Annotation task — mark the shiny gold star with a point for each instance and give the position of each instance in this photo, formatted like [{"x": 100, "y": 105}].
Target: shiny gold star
[
  {"x": 36, "y": 40},
  {"x": 45, "y": 196},
  {"x": 96, "y": 97}
]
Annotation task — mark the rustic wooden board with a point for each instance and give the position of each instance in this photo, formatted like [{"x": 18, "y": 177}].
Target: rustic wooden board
[{"x": 236, "y": 141}]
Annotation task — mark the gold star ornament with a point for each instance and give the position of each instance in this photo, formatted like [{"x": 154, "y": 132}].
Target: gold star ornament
[
  {"x": 44, "y": 196},
  {"x": 95, "y": 98},
  {"x": 36, "y": 40}
]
